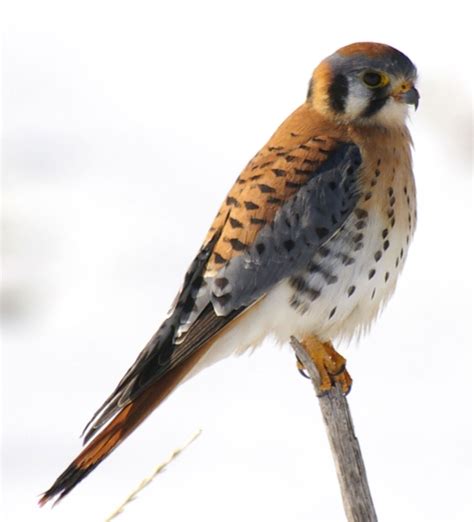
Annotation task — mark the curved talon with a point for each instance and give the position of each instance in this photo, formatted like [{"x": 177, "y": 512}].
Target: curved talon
[
  {"x": 345, "y": 381},
  {"x": 303, "y": 373},
  {"x": 301, "y": 369}
]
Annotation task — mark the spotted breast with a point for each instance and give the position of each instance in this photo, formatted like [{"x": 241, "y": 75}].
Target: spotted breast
[{"x": 349, "y": 278}]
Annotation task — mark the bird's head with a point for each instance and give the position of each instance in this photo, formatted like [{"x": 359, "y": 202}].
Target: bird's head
[{"x": 365, "y": 83}]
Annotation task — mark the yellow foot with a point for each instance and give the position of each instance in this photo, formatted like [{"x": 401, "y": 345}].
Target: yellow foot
[{"x": 330, "y": 365}]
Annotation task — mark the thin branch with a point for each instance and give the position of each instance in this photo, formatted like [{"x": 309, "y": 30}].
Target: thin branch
[
  {"x": 144, "y": 483},
  {"x": 345, "y": 447}
]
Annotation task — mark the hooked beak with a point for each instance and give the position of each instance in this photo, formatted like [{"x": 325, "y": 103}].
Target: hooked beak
[{"x": 407, "y": 94}]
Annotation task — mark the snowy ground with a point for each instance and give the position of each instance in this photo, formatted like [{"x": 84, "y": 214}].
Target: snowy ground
[{"x": 123, "y": 129}]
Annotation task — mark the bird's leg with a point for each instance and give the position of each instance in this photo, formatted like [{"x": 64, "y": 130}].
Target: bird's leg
[{"x": 330, "y": 364}]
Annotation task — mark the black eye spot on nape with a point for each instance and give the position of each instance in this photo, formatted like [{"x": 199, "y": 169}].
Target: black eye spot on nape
[{"x": 338, "y": 91}]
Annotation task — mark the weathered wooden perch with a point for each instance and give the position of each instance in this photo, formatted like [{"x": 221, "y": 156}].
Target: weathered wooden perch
[{"x": 345, "y": 447}]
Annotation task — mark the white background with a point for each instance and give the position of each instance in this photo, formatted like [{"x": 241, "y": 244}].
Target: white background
[{"x": 125, "y": 123}]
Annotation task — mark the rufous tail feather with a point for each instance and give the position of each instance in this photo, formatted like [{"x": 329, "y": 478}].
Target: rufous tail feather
[{"x": 119, "y": 428}]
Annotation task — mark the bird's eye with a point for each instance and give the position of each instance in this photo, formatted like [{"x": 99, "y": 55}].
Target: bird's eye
[{"x": 374, "y": 79}]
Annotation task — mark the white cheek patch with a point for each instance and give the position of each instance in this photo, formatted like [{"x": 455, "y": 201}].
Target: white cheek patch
[
  {"x": 355, "y": 105},
  {"x": 392, "y": 113}
]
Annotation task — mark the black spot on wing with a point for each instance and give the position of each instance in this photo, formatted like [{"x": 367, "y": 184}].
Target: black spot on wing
[
  {"x": 250, "y": 205},
  {"x": 232, "y": 202},
  {"x": 218, "y": 259},
  {"x": 322, "y": 232},
  {"x": 266, "y": 189},
  {"x": 235, "y": 223},
  {"x": 237, "y": 244}
]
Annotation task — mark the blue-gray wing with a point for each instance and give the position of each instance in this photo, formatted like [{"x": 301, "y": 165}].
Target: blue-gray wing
[
  {"x": 303, "y": 223},
  {"x": 268, "y": 229}
]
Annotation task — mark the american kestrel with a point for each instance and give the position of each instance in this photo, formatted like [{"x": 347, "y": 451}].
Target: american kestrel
[{"x": 309, "y": 243}]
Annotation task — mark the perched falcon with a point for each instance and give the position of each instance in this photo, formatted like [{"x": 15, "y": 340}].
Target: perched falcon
[{"x": 308, "y": 243}]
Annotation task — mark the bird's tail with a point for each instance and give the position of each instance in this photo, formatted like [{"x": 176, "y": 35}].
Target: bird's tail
[{"x": 119, "y": 428}]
